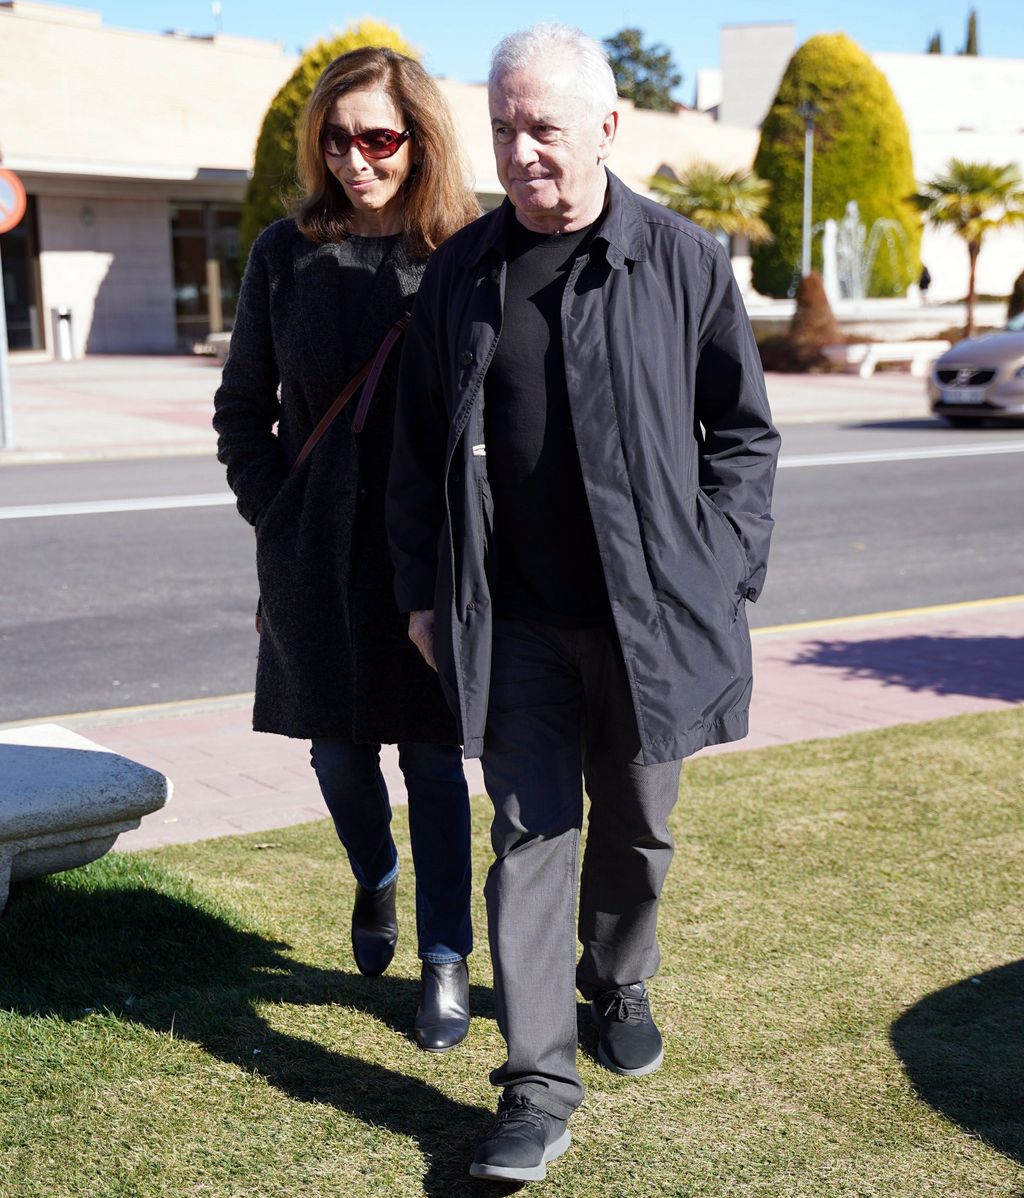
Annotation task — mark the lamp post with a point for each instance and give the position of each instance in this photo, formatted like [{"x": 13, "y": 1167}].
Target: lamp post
[{"x": 808, "y": 110}]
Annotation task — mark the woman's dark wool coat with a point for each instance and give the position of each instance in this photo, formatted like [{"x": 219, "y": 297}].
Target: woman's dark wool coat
[{"x": 334, "y": 655}]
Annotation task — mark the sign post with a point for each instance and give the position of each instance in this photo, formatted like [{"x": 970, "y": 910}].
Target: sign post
[{"x": 12, "y": 209}]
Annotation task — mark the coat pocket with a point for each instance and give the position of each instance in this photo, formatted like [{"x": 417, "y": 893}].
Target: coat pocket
[{"x": 722, "y": 540}]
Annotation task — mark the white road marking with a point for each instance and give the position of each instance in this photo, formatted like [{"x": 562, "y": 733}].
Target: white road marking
[
  {"x": 795, "y": 461},
  {"x": 96, "y": 507}
]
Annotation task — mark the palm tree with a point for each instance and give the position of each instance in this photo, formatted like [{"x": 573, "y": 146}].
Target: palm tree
[
  {"x": 719, "y": 200},
  {"x": 973, "y": 199}
]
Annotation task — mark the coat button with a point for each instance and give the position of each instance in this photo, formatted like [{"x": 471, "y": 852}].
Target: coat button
[
  {"x": 471, "y": 606},
  {"x": 466, "y": 357}
]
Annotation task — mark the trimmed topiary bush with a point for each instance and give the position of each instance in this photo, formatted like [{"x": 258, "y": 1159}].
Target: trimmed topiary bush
[
  {"x": 274, "y": 182},
  {"x": 814, "y": 324},
  {"x": 861, "y": 152},
  {"x": 812, "y": 327}
]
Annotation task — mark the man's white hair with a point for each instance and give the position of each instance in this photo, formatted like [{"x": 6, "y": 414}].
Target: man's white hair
[{"x": 549, "y": 41}]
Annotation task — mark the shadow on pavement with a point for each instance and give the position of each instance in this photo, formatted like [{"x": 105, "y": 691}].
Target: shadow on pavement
[
  {"x": 988, "y": 667},
  {"x": 918, "y": 424},
  {"x": 963, "y": 1051},
  {"x": 935, "y": 424},
  {"x": 156, "y": 961}
]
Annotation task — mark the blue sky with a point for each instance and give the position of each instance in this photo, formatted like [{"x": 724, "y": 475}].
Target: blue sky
[{"x": 455, "y": 37}]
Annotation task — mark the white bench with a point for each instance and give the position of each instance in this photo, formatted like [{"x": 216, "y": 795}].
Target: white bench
[
  {"x": 64, "y": 800},
  {"x": 862, "y": 358}
]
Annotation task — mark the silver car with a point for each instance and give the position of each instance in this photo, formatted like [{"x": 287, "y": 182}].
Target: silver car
[{"x": 980, "y": 378}]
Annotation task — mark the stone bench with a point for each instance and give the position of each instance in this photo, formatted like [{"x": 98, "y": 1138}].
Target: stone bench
[
  {"x": 220, "y": 343},
  {"x": 64, "y": 800},
  {"x": 862, "y": 358}
]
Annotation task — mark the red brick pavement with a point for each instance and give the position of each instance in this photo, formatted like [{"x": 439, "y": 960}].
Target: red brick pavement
[{"x": 813, "y": 681}]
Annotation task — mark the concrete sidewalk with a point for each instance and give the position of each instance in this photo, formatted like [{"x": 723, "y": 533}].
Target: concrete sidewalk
[
  {"x": 820, "y": 680},
  {"x": 111, "y": 407}
]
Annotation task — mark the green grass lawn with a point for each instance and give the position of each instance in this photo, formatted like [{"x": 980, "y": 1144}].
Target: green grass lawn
[{"x": 842, "y": 996}]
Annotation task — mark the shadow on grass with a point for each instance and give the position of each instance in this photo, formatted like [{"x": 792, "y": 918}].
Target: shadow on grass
[
  {"x": 963, "y": 1052},
  {"x": 987, "y": 667},
  {"x": 171, "y": 963}
]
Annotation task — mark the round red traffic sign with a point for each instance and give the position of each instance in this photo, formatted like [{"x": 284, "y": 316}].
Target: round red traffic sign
[{"x": 12, "y": 200}]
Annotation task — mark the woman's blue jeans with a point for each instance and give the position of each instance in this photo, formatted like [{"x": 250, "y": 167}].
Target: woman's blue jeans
[{"x": 357, "y": 798}]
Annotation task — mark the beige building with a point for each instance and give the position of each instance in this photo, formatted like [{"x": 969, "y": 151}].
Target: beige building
[{"x": 135, "y": 150}]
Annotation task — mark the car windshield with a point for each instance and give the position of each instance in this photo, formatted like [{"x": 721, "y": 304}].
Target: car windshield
[{"x": 1016, "y": 323}]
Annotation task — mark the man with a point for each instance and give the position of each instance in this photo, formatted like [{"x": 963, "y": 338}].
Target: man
[{"x": 580, "y": 490}]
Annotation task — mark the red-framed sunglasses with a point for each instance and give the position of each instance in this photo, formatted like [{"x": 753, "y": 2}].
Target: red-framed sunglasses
[{"x": 372, "y": 143}]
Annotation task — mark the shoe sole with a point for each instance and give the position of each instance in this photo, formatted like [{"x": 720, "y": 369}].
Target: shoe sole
[
  {"x": 372, "y": 973},
  {"x": 446, "y": 1048},
  {"x": 642, "y": 1071},
  {"x": 536, "y": 1173}
]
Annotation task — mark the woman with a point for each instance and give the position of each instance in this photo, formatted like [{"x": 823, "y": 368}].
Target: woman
[{"x": 379, "y": 163}]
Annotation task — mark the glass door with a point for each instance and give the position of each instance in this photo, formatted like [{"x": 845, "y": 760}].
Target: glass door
[
  {"x": 207, "y": 269},
  {"x": 22, "y": 305}
]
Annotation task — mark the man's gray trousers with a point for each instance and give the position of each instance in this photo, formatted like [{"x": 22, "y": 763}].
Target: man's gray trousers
[{"x": 559, "y": 714}]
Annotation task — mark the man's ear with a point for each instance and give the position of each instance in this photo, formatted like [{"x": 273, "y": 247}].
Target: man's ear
[{"x": 609, "y": 127}]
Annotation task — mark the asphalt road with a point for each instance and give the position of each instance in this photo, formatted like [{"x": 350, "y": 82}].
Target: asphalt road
[{"x": 111, "y": 608}]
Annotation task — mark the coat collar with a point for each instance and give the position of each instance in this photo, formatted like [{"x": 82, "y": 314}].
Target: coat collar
[{"x": 622, "y": 228}]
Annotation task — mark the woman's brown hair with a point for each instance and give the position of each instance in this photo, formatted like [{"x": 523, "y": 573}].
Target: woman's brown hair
[{"x": 436, "y": 200}]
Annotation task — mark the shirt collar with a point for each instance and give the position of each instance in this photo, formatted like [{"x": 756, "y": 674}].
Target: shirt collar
[{"x": 622, "y": 228}]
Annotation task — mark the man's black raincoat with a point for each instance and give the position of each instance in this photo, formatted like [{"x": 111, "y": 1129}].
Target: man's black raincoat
[{"x": 676, "y": 446}]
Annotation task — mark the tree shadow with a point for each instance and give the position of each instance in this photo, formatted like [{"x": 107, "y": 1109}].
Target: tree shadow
[
  {"x": 963, "y": 1051},
  {"x": 934, "y": 424},
  {"x": 586, "y": 1031},
  {"x": 987, "y": 667},
  {"x": 929, "y": 424},
  {"x": 168, "y": 963}
]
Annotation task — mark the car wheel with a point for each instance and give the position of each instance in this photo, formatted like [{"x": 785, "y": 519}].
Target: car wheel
[{"x": 963, "y": 421}]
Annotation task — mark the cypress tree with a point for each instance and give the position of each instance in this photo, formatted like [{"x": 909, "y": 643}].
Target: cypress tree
[
  {"x": 971, "y": 39},
  {"x": 813, "y": 325},
  {"x": 935, "y": 44},
  {"x": 862, "y": 153}
]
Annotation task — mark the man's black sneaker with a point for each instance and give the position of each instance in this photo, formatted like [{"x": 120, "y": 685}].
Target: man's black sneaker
[
  {"x": 628, "y": 1040},
  {"x": 523, "y": 1140}
]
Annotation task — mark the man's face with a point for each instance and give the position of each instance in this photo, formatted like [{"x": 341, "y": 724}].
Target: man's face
[{"x": 549, "y": 147}]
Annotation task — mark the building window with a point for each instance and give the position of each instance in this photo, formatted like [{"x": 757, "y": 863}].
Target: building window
[
  {"x": 207, "y": 255},
  {"x": 19, "y": 252}
]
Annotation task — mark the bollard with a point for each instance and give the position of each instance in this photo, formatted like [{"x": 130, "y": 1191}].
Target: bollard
[{"x": 63, "y": 341}]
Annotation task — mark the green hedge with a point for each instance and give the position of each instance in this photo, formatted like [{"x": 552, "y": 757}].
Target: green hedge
[
  {"x": 274, "y": 182},
  {"x": 862, "y": 153}
]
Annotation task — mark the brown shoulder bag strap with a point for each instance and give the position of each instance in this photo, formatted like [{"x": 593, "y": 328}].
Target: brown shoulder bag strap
[
  {"x": 396, "y": 330},
  {"x": 371, "y": 372}
]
